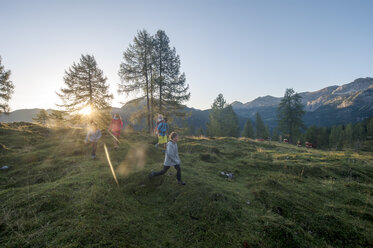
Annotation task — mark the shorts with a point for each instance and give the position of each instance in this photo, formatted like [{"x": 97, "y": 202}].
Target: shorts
[{"x": 162, "y": 139}]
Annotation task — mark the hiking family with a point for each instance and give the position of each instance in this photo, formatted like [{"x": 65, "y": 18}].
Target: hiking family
[{"x": 161, "y": 130}]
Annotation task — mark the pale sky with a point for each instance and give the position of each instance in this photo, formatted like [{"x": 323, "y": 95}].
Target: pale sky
[{"x": 243, "y": 49}]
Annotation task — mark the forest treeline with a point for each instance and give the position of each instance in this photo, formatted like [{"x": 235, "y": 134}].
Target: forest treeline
[{"x": 224, "y": 122}]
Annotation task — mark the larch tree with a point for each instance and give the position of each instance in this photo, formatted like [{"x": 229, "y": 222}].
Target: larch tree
[
  {"x": 336, "y": 137},
  {"x": 223, "y": 120},
  {"x": 349, "y": 135},
  {"x": 248, "y": 130},
  {"x": 170, "y": 82},
  {"x": 136, "y": 70},
  {"x": 86, "y": 87},
  {"x": 290, "y": 114},
  {"x": 261, "y": 129},
  {"x": 214, "y": 127},
  {"x": 230, "y": 122},
  {"x": 6, "y": 89}
]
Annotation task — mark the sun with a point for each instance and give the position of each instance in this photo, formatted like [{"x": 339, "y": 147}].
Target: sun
[{"x": 86, "y": 110}]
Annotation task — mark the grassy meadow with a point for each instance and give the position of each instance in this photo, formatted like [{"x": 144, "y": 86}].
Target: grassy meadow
[{"x": 55, "y": 195}]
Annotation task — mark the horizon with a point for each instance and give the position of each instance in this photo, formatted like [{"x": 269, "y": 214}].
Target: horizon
[
  {"x": 12, "y": 110},
  {"x": 244, "y": 49}
]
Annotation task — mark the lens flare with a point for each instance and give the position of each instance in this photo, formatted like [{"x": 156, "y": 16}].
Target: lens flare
[
  {"x": 114, "y": 137},
  {"x": 135, "y": 159},
  {"x": 111, "y": 166}
]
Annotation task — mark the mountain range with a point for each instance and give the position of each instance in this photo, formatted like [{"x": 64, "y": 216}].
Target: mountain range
[{"x": 333, "y": 105}]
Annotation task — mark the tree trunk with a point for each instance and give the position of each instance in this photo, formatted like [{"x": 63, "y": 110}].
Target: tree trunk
[
  {"x": 90, "y": 92},
  {"x": 147, "y": 93},
  {"x": 160, "y": 82},
  {"x": 90, "y": 87},
  {"x": 152, "y": 99}
]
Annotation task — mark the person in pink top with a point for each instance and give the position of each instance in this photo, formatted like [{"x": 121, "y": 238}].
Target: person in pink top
[{"x": 115, "y": 126}]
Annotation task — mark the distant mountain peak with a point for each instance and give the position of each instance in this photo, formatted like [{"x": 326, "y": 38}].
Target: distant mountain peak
[{"x": 359, "y": 84}]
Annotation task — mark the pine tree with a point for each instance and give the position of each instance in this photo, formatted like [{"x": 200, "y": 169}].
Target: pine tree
[
  {"x": 311, "y": 135},
  {"x": 41, "y": 117},
  {"x": 290, "y": 113},
  {"x": 230, "y": 122},
  {"x": 137, "y": 68},
  {"x": 214, "y": 127},
  {"x": 161, "y": 59},
  {"x": 359, "y": 132},
  {"x": 171, "y": 83},
  {"x": 349, "y": 134},
  {"x": 6, "y": 88},
  {"x": 336, "y": 137},
  {"x": 261, "y": 130},
  {"x": 248, "y": 130},
  {"x": 86, "y": 87},
  {"x": 323, "y": 137},
  {"x": 223, "y": 120},
  {"x": 333, "y": 137}
]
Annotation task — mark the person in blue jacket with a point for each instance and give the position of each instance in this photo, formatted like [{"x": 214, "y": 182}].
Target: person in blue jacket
[{"x": 162, "y": 133}]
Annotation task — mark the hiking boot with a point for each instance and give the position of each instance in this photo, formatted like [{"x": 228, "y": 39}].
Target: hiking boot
[
  {"x": 181, "y": 182},
  {"x": 93, "y": 156}
]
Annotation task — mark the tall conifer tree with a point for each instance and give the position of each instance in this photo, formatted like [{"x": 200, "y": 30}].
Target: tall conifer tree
[
  {"x": 349, "y": 134},
  {"x": 290, "y": 113},
  {"x": 6, "y": 88},
  {"x": 214, "y": 127},
  {"x": 136, "y": 70},
  {"x": 223, "y": 121},
  {"x": 336, "y": 137},
  {"x": 86, "y": 87},
  {"x": 171, "y": 83},
  {"x": 261, "y": 129},
  {"x": 248, "y": 130}
]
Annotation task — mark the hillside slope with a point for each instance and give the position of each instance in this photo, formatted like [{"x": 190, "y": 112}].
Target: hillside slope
[{"x": 54, "y": 195}]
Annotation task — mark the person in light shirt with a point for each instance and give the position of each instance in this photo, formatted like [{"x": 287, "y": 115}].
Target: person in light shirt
[
  {"x": 171, "y": 159},
  {"x": 93, "y": 135}
]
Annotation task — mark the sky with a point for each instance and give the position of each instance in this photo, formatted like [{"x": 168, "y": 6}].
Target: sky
[{"x": 242, "y": 49}]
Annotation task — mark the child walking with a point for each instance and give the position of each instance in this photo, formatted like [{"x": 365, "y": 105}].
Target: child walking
[
  {"x": 93, "y": 135},
  {"x": 171, "y": 159},
  {"x": 162, "y": 133},
  {"x": 115, "y": 126}
]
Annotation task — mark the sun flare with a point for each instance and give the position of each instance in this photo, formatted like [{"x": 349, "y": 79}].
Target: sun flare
[{"x": 86, "y": 110}]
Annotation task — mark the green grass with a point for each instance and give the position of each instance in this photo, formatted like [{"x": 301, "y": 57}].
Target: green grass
[{"x": 54, "y": 195}]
